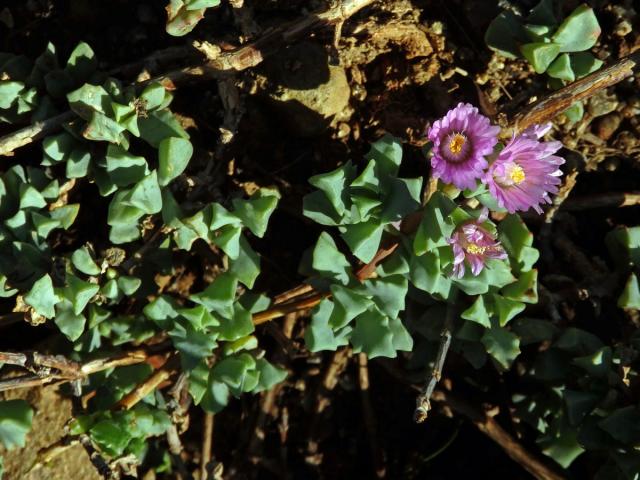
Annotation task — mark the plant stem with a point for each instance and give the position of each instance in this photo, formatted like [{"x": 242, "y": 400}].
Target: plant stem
[{"x": 423, "y": 404}]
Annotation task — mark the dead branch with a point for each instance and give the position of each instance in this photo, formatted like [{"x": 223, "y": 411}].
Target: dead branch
[
  {"x": 557, "y": 102},
  {"x": 329, "y": 382},
  {"x": 601, "y": 200},
  {"x": 369, "y": 417},
  {"x": 145, "y": 388},
  {"x": 495, "y": 432},
  {"x": 32, "y": 133},
  {"x": 289, "y": 307},
  {"x": 207, "y": 443},
  {"x": 57, "y": 369}
]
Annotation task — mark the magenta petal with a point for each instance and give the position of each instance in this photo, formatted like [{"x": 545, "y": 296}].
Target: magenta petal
[
  {"x": 461, "y": 140},
  {"x": 525, "y": 172},
  {"x": 474, "y": 245}
]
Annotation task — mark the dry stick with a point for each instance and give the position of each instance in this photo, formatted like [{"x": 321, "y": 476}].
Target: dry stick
[
  {"x": 54, "y": 368},
  {"x": 565, "y": 189},
  {"x": 207, "y": 443},
  {"x": 558, "y": 101},
  {"x": 222, "y": 65},
  {"x": 369, "y": 416},
  {"x": 329, "y": 382},
  {"x": 493, "y": 430},
  {"x": 423, "y": 404},
  {"x": 294, "y": 306},
  {"x": 34, "y": 132},
  {"x": 145, "y": 388},
  {"x": 600, "y": 200}
]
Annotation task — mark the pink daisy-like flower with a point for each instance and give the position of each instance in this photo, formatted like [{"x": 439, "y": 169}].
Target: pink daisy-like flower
[
  {"x": 525, "y": 172},
  {"x": 461, "y": 139},
  {"x": 474, "y": 244}
]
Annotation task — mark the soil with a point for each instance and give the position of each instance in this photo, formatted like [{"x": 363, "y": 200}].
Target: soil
[{"x": 396, "y": 66}]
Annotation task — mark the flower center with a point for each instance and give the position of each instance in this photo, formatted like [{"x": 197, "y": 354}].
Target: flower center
[
  {"x": 457, "y": 143},
  {"x": 512, "y": 174},
  {"x": 516, "y": 174},
  {"x": 474, "y": 249}
]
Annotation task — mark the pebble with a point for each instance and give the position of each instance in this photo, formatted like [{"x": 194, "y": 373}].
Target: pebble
[
  {"x": 607, "y": 125},
  {"x": 623, "y": 28},
  {"x": 602, "y": 104}
]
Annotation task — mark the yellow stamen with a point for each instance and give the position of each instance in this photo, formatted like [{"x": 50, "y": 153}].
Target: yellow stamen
[
  {"x": 516, "y": 174},
  {"x": 474, "y": 249},
  {"x": 456, "y": 143}
]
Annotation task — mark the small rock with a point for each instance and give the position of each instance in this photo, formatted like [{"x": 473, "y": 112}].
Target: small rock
[
  {"x": 606, "y": 126},
  {"x": 305, "y": 89},
  {"x": 623, "y": 28},
  {"x": 601, "y": 104}
]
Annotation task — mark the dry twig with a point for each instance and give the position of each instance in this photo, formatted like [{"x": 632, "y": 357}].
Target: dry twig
[
  {"x": 54, "y": 368},
  {"x": 488, "y": 425}
]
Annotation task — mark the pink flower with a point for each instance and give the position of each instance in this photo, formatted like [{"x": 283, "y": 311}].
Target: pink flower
[
  {"x": 525, "y": 172},
  {"x": 461, "y": 139},
  {"x": 474, "y": 244}
]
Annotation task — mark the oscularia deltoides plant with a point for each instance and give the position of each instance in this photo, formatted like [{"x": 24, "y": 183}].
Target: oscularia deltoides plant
[{"x": 519, "y": 176}]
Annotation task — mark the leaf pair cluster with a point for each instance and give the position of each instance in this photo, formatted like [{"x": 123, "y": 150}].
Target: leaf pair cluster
[
  {"x": 35, "y": 87},
  {"x": 184, "y": 15},
  {"x": 557, "y": 48},
  {"x": 624, "y": 246},
  {"x": 28, "y": 215},
  {"x": 218, "y": 322},
  {"x": 580, "y": 400}
]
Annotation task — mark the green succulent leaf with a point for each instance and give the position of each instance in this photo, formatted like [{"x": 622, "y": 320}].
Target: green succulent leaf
[
  {"x": 506, "y": 308},
  {"x": 333, "y": 185},
  {"x": 70, "y": 323},
  {"x": 269, "y": 375},
  {"x": 505, "y": 33},
  {"x": 174, "y": 154},
  {"x": 256, "y": 211},
  {"x": 561, "y": 68},
  {"x": 158, "y": 125},
  {"x": 478, "y": 312},
  {"x": 79, "y": 292},
  {"x": 15, "y": 422},
  {"x": 630, "y": 297},
  {"x": 575, "y": 112},
  {"x": 42, "y": 297},
  {"x": 146, "y": 195},
  {"x": 9, "y": 92},
  {"x": 329, "y": 261},
  {"x": 584, "y": 63},
  {"x": 540, "y": 54},
  {"x": 66, "y": 214},
  {"x": 363, "y": 239},
  {"x": 111, "y": 437},
  {"x": 387, "y": 153},
  {"x": 219, "y": 295},
  {"x": 123, "y": 168},
  {"x": 320, "y": 335},
  {"x": 579, "y": 31},
  {"x": 525, "y": 289},
  {"x": 246, "y": 267},
  {"x": 372, "y": 335},
  {"x": 502, "y": 345}
]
